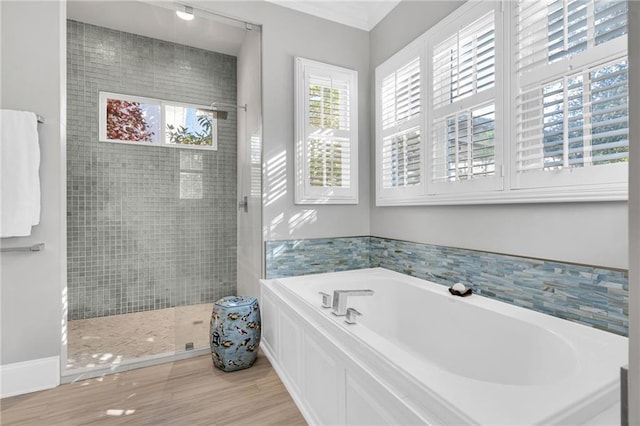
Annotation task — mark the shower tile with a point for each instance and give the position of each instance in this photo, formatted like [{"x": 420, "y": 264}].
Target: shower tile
[{"x": 133, "y": 244}]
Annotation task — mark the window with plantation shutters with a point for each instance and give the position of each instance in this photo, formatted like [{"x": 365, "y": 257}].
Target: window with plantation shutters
[
  {"x": 522, "y": 101},
  {"x": 326, "y": 133},
  {"x": 571, "y": 105},
  {"x": 399, "y": 122},
  {"x": 465, "y": 148}
]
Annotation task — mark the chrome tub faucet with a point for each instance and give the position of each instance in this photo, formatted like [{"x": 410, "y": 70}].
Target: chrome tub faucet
[{"x": 339, "y": 307}]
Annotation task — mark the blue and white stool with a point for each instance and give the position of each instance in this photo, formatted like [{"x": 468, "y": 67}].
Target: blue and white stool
[{"x": 235, "y": 332}]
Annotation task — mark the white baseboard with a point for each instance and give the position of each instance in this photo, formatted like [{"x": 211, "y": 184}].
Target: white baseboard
[{"x": 29, "y": 376}]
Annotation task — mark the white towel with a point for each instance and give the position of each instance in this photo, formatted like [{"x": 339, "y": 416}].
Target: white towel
[{"x": 19, "y": 173}]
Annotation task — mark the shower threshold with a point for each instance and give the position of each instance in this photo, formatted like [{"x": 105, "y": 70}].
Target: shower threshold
[{"x": 105, "y": 345}]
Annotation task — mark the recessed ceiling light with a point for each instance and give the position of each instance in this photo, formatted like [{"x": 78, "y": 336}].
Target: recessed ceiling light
[{"x": 186, "y": 14}]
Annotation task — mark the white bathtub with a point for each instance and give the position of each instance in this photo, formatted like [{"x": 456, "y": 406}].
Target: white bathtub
[{"x": 421, "y": 356}]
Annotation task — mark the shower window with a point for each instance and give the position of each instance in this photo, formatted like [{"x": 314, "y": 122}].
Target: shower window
[
  {"x": 130, "y": 119},
  {"x": 189, "y": 126},
  {"x": 147, "y": 121}
]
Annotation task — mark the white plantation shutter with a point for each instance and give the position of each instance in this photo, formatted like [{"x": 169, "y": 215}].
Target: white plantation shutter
[
  {"x": 329, "y": 125},
  {"x": 401, "y": 95},
  {"x": 400, "y": 126},
  {"x": 464, "y": 137},
  {"x": 550, "y": 31},
  {"x": 464, "y": 145},
  {"x": 575, "y": 121},
  {"x": 464, "y": 64},
  {"x": 571, "y": 105},
  {"x": 610, "y": 20},
  {"x": 326, "y": 129},
  {"x": 399, "y": 118},
  {"x": 401, "y": 159}
]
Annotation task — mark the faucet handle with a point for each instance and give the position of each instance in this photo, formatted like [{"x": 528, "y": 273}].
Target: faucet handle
[
  {"x": 326, "y": 299},
  {"x": 351, "y": 316}
]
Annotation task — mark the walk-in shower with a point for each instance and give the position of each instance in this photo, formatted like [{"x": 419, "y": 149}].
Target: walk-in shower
[{"x": 152, "y": 180}]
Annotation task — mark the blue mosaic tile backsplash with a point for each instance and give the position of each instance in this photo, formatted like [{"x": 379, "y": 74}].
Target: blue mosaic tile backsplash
[
  {"x": 301, "y": 257},
  {"x": 593, "y": 296}
]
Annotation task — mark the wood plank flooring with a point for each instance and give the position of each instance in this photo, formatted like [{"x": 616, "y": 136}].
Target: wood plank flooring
[{"x": 187, "y": 392}]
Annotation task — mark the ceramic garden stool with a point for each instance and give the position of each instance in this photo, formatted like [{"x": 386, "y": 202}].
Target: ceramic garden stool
[{"x": 235, "y": 332}]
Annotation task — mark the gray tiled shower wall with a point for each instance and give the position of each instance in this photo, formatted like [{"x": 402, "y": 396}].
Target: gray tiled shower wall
[
  {"x": 133, "y": 243},
  {"x": 590, "y": 295}
]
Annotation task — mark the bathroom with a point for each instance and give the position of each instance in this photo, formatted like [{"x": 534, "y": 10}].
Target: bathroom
[{"x": 33, "y": 300}]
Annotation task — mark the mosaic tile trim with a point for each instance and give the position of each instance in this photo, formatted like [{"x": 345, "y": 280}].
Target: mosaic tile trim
[
  {"x": 593, "y": 296},
  {"x": 303, "y": 257},
  {"x": 589, "y": 295}
]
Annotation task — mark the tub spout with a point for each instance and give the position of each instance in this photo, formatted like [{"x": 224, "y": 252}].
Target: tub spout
[{"x": 340, "y": 300}]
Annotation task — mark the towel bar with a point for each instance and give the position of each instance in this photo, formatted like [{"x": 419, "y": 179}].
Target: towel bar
[
  {"x": 40, "y": 118},
  {"x": 35, "y": 247}
]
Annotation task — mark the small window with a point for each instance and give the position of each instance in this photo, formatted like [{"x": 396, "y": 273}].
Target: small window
[
  {"x": 189, "y": 126},
  {"x": 130, "y": 119},
  {"x": 148, "y": 121},
  {"x": 326, "y": 134}
]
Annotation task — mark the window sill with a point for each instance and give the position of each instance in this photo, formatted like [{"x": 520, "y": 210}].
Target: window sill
[{"x": 617, "y": 192}]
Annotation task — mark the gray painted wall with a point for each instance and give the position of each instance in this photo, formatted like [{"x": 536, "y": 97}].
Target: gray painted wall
[
  {"x": 286, "y": 34},
  {"x": 561, "y": 231},
  {"x": 33, "y": 79},
  {"x": 134, "y": 242}
]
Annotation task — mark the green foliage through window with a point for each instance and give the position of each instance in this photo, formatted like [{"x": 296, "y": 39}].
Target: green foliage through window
[
  {"x": 324, "y": 107},
  {"x": 183, "y": 135},
  {"x": 325, "y": 162}
]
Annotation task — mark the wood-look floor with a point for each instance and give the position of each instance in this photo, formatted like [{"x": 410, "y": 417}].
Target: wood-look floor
[{"x": 187, "y": 392}]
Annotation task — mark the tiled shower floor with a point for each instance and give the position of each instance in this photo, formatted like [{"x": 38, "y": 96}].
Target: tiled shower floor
[{"x": 111, "y": 340}]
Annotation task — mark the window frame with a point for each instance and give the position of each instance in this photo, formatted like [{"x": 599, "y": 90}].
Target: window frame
[
  {"x": 304, "y": 192},
  {"x": 577, "y": 189},
  {"x": 162, "y": 137}
]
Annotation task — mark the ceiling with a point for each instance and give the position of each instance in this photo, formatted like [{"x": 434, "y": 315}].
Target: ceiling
[
  {"x": 156, "y": 19},
  {"x": 362, "y": 14}
]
